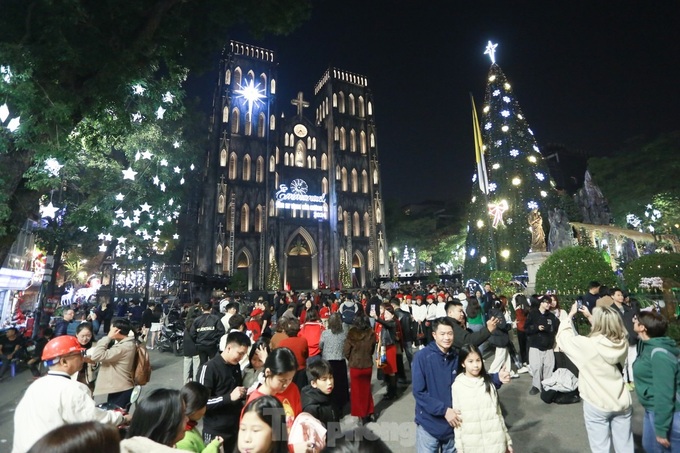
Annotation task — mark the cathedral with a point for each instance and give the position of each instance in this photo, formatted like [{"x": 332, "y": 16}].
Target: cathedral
[{"x": 290, "y": 201}]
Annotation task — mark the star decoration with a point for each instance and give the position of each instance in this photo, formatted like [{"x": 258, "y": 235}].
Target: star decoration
[
  {"x": 14, "y": 124},
  {"x": 496, "y": 210},
  {"x": 127, "y": 222},
  {"x": 137, "y": 156},
  {"x": 156, "y": 180},
  {"x": 53, "y": 167},
  {"x": 175, "y": 236},
  {"x": 162, "y": 187},
  {"x": 122, "y": 239},
  {"x": 491, "y": 51},
  {"x": 95, "y": 209},
  {"x": 135, "y": 219},
  {"x": 83, "y": 229},
  {"x": 108, "y": 237},
  {"x": 102, "y": 248},
  {"x": 176, "y": 144},
  {"x": 114, "y": 266},
  {"x": 4, "y": 113},
  {"x": 120, "y": 197},
  {"x": 147, "y": 155},
  {"x": 129, "y": 174},
  {"x": 100, "y": 236},
  {"x": 145, "y": 207},
  {"x": 119, "y": 213},
  {"x": 49, "y": 211},
  {"x": 171, "y": 201},
  {"x": 136, "y": 212},
  {"x": 158, "y": 233},
  {"x": 160, "y": 112},
  {"x": 168, "y": 97},
  {"x": 138, "y": 89},
  {"x": 177, "y": 169},
  {"x": 164, "y": 163},
  {"x": 137, "y": 117},
  {"x": 251, "y": 93}
]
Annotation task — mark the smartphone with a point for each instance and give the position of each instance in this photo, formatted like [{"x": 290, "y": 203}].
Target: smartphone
[{"x": 580, "y": 303}]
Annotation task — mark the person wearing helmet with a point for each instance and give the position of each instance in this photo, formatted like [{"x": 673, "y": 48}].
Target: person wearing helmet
[{"x": 55, "y": 399}]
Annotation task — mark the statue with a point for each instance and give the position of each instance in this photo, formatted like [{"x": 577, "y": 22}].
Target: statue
[
  {"x": 537, "y": 234},
  {"x": 561, "y": 234}
]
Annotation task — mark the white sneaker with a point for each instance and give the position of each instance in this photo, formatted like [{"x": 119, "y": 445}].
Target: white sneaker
[
  {"x": 514, "y": 375},
  {"x": 523, "y": 370}
]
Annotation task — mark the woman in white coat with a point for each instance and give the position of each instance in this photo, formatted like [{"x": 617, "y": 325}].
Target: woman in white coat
[{"x": 607, "y": 405}]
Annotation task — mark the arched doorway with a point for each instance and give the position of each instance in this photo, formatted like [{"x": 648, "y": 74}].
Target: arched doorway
[
  {"x": 358, "y": 270},
  {"x": 302, "y": 268},
  {"x": 242, "y": 271}
]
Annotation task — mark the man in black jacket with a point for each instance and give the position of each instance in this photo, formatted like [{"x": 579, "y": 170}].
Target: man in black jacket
[
  {"x": 206, "y": 331},
  {"x": 222, "y": 376},
  {"x": 462, "y": 336},
  {"x": 541, "y": 327}
]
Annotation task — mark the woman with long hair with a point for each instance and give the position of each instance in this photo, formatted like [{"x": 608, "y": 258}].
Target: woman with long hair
[
  {"x": 157, "y": 424},
  {"x": 88, "y": 373},
  {"x": 332, "y": 344},
  {"x": 79, "y": 438},
  {"x": 386, "y": 333},
  {"x": 358, "y": 350},
  {"x": 599, "y": 357},
  {"x": 657, "y": 383}
]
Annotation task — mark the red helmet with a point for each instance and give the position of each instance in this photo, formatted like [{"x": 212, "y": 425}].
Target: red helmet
[{"x": 61, "y": 346}]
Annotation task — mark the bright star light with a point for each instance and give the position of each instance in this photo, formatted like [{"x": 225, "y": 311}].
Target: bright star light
[
  {"x": 49, "y": 211},
  {"x": 129, "y": 174},
  {"x": 177, "y": 169},
  {"x": 164, "y": 162},
  {"x": 147, "y": 155},
  {"x": 168, "y": 97},
  {"x": 4, "y": 113},
  {"x": 156, "y": 180},
  {"x": 175, "y": 144},
  {"x": 145, "y": 207},
  {"x": 175, "y": 236},
  {"x": 14, "y": 124},
  {"x": 160, "y": 112},
  {"x": 138, "y": 89},
  {"x": 252, "y": 94},
  {"x": 491, "y": 51},
  {"x": 120, "y": 197}
]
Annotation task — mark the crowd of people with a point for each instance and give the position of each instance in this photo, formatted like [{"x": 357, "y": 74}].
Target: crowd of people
[{"x": 255, "y": 376}]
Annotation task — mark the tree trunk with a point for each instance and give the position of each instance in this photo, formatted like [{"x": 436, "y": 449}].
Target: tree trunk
[{"x": 21, "y": 202}]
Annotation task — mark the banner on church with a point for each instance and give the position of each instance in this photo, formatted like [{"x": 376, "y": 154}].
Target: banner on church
[{"x": 295, "y": 197}]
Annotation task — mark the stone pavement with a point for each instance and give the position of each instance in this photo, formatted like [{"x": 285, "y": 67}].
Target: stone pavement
[{"x": 535, "y": 427}]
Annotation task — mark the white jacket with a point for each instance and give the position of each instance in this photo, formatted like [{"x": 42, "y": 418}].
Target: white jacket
[
  {"x": 599, "y": 380},
  {"x": 419, "y": 312},
  {"x": 139, "y": 444},
  {"x": 483, "y": 428},
  {"x": 53, "y": 401}
]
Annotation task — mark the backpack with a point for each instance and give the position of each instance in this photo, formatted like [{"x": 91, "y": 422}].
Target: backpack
[
  {"x": 142, "y": 365},
  {"x": 348, "y": 313}
]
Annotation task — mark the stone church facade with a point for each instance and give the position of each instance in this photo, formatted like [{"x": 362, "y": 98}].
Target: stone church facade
[{"x": 301, "y": 194}]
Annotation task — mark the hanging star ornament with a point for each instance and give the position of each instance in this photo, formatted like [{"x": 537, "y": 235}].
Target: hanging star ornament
[
  {"x": 129, "y": 174},
  {"x": 496, "y": 210},
  {"x": 491, "y": 51},
  {"x": 49, "y": 211}
]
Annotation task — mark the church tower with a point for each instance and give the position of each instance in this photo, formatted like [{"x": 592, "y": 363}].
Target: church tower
[{"x": 298, "y": 195}]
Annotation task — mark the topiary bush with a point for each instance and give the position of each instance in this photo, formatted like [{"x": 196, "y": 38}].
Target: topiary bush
[
  {"x": 664, "y": 265},
  {"x": 569, "y": 270}
]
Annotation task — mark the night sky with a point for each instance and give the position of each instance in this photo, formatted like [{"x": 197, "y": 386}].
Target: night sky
[{"x": 588, "y": 75}]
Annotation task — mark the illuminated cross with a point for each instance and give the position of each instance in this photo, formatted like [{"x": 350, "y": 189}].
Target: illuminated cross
[
  {"x": 300, "y": 103},
  {"x": 491, "y": 51}
]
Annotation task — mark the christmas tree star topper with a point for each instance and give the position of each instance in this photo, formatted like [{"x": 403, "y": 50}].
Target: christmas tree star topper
[{"x": 491, "y": 51}]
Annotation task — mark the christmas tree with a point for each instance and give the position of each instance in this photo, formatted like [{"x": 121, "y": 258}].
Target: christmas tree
[
  {"x": 273, "y": 279},
  {"x": 511, "y": 181},
  {"x": 345, "y": 278}
]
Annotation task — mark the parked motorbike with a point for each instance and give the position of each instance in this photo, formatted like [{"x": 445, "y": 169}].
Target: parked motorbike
[{"x": 171, "y": 337}]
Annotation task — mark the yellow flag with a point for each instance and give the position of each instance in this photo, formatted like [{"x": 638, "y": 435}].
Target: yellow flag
[{"x": 482, "y": 177}]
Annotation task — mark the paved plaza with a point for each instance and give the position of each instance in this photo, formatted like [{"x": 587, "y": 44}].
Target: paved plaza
[{"x": 535, "y": 427}]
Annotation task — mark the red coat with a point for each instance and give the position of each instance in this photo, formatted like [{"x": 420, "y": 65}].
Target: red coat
[{"x": 312, "y": 332}]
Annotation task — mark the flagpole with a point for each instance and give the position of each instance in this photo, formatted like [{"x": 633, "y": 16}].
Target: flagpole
[{"x": 482, "y": 175}]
